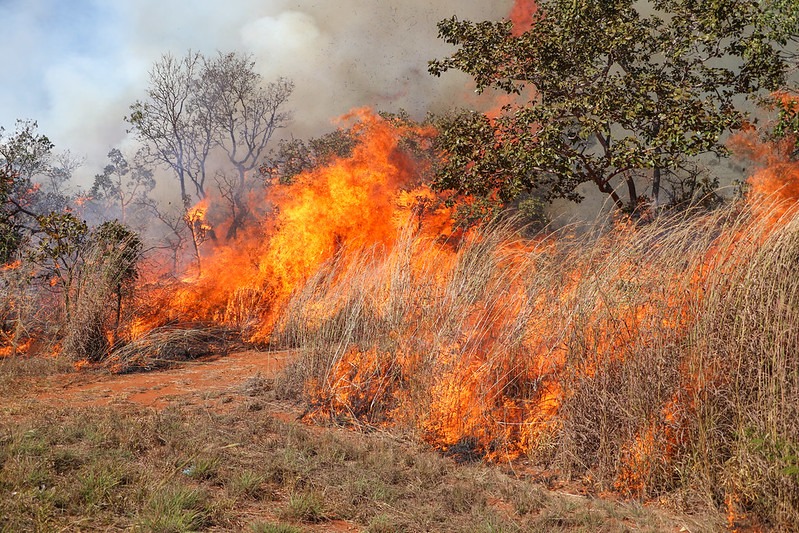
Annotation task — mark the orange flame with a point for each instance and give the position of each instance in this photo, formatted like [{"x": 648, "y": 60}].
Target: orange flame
[{"x": 353, "y": 203}]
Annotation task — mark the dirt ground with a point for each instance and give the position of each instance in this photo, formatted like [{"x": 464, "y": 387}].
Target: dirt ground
[
  {"x": 188, "y": 383},
  {"x": 222, "y": 385}
]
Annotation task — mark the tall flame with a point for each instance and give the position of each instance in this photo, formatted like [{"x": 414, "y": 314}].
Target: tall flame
[{"x": 356, "y": 202}]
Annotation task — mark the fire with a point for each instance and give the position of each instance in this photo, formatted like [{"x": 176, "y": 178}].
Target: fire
[
  {"x": 354, "y": 203},
  {"x": 522, "y": 15},
  {"x": 13, "y": 265},
  {"x": 480, "y": 342},
  {"x": 775, "y": 185},
  {"x": 20, "y": 349}
]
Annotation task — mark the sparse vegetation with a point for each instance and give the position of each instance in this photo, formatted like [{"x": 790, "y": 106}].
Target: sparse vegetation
[{"x": 124, "y": 467}]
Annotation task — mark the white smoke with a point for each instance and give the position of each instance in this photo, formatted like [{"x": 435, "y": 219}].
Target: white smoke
[{"x": 82, "y": 63}]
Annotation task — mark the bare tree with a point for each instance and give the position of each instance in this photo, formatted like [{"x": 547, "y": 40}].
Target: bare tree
[
  {"x": 174, "y": 220},
  {"x": 169, "y": 124},
  {"x": 199, "y": 106},
  {"x": 246, "y": 116}
]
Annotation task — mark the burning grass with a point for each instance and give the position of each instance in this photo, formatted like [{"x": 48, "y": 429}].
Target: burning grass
[{"x": 656, "y": 361}]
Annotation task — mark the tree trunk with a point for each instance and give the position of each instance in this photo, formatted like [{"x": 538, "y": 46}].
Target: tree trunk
[
  {"x": 655, "y": 186},
  {"x": 656, "y": 173},
  {"x": 240, "y": 211},
  {"x": 630, "y": 180},
  {"x": 118, "y": 316},
  {"x": 606, "y": 188}
]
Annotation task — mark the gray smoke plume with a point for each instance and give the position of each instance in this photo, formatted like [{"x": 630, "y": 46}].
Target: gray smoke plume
[{"x": 82, "y": 63}]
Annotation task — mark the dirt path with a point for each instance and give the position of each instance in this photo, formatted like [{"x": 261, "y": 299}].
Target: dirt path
[{"x": 186, "y": 384}]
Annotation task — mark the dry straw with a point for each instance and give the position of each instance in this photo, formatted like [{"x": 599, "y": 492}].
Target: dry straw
[{"x": 653, "y": 359}]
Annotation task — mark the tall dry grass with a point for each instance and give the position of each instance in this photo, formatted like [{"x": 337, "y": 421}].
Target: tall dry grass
[
  {"x": 746, "y": 339},
  {"x": 654, "y": 360},
  {"x": 97, "y": 297},
  {"x": 28, "y": 313}
]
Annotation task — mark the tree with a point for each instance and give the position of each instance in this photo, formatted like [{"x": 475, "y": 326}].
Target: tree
[
  {"x": 613, "y": 94},
  {"x": 245, "y": 116},
  {"x": 35, "y": 179},
  {"x": 60, "y": 252},
  {"x": 122, "y": 184},
  {"x": 197, "y": 107},
  {"x": 23, "y": 155},
  {"x": 115, "y": 256},
  {"x": 92, "y": 271},
  {"x": 295, "y": 156},
  {"x": 10, "y": 231},
  {"x": 174, "y": 219},
  {"x": 175, "y": 133}
]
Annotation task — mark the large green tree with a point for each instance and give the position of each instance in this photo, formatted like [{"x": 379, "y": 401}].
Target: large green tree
[
  {"x": 617, "y": 93},
  {"x": 24, "y": 154}
]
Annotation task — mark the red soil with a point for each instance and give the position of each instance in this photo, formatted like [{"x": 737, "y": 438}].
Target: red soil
[{"x": 186, "y": 384}]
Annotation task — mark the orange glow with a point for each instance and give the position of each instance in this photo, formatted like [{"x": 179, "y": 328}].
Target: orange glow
[
  {"x": 775, "y": 185},
  {"x": 13, "y": 265},
  {"x": 80, "y": 365},
  {"x": 522, "y": 15},
  {"x": 354, "y": 203},
  {"x": 21, "y": 349}
]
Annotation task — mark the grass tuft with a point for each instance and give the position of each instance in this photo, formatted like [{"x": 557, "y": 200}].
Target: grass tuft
[
  {"x": 174, "y": 509},
  {"x": 305, "y": 507}
]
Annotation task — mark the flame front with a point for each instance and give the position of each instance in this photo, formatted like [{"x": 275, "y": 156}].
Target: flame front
[
  {"x": 354, "y": 203},
  {"x": 484, "y": 343}
]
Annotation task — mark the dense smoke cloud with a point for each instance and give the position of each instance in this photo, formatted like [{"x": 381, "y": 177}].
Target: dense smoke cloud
[{"x": 82, "y": 63}]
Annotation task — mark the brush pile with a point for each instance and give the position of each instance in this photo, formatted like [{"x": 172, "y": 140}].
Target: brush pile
[{"x": 165, "y": 346}]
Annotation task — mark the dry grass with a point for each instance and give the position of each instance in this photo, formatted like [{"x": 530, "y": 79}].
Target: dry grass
[
  {"x": 19, "y": 374},
  {"x": 165, "y": 346},
  {"x": 656, "y": 360},
  {"x": 194, "y": 468},
  {"x": 29, "y": 316}
]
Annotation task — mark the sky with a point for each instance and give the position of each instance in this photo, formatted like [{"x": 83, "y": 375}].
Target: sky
[{"x": 75, "y": 66}]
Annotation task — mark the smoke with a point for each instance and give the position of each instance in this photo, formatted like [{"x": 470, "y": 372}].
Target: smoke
[{"x": 83, "y": 63}]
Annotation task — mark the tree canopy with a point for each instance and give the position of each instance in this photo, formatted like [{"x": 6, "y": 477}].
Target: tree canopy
[
  {"x": 34, "y": 181},
  {"x": 611, "y": 93}
]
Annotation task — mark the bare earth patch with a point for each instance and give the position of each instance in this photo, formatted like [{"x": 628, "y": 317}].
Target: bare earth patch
[{"x": 185, "y": 383}]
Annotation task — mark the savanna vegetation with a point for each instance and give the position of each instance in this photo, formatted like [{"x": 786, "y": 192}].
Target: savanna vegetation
[{"x": 409, "y": 266}]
